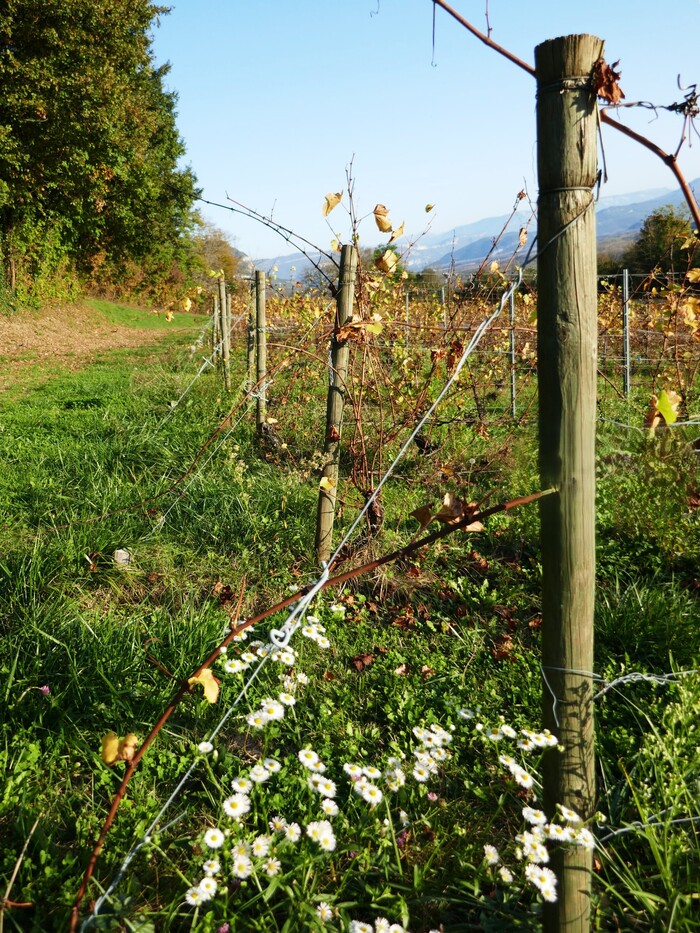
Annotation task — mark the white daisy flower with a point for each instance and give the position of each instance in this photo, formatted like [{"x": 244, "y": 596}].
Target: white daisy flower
[
  {"x": 257, "y": 719},
  {"x": 293, "y": 832},
  {"x": 241, "y": 785},
  {"x": 277, "y": 824},
  {"x": 242, "y": 867},
  {"x": 272, "y": 765},
  {"x": 211, "y": 867},
  {"x": 272, "y": 867},
  {"x": 258, "y": 774},
  {"x": 329, "y": 807},
  {"x": 236, "y": 806},
  {"x": 208, "y": 886},
  {"x": 261, "y": 846},
  {"x": 214, "y": 838},
  {"x": 372, "y": 794},
  {"x": 491, "y": 856},
  {"x": 569, "y": 815}
]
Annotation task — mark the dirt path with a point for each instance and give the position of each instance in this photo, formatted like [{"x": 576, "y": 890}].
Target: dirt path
[{"x": 66, "y": 337}]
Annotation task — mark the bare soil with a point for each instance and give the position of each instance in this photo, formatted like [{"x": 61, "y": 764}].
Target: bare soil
[{"x": 65, "y": 337}]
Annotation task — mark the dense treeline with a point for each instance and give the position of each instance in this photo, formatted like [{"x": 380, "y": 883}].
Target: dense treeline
[{"x": 91, "y": 192}]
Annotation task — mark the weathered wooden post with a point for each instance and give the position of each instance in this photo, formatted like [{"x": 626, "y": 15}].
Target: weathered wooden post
[
  {"x": 627, "y": 381},
  {"x": 216, "y": 328},
  {"x": 566, "y": 347},
  {"x": 261, "y": 349},
  {"x": 250, "y": 337},
  {"x": 337, "y": 381},
  {"x": 511, "y": 342},
  {"x": 225, "y": 333}
]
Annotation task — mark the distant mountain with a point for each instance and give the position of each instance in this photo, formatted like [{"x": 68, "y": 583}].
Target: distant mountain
[{"x": 619, "y": 219}]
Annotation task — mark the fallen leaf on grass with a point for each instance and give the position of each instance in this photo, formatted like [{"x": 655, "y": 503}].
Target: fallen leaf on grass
[
  {"x": 361, "y": 661},
  {"x": 402, "y": 670},
  {"x": 426, "y": 672},
  {"x": 209, "y": 684},
  {"x": 115, "y": 749},
  {"x": 502, "y": 648}
]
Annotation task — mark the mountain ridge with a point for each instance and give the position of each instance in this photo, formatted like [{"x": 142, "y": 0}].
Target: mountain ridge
[{"x": 618, "y": 219}]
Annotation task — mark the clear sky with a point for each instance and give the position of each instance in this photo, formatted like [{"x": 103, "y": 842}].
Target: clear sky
[{"x": 276, "y": 97}]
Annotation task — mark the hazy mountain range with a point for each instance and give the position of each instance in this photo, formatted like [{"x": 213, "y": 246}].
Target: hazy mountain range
[{"x": 619, "y": 220}]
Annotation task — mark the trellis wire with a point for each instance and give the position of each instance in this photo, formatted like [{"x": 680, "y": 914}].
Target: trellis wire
[{"x": 281, "y": 637}]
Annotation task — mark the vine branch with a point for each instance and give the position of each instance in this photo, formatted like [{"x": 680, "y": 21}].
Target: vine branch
[{"x": 669, "y": 159}]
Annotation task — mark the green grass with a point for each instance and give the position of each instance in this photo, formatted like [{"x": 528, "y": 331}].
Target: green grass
[{"x": 89, "y": 461}]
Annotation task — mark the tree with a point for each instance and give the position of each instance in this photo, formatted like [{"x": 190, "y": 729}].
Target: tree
[
  {"x": 660, "y": 244},
  {"x": 214, "y": 252},
  {"x": 89, "y": 149}
]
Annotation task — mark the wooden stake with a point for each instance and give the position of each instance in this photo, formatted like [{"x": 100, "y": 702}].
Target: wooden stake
[
  {"x": 335, "y": 404},
  {"x": 261, "y": 349},
  {"x": 225, "y": 333},
  {"x": 566, "y": 346}
]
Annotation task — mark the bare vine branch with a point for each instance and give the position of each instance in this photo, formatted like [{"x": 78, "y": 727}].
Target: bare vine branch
[{"x": 669, "y": 159}]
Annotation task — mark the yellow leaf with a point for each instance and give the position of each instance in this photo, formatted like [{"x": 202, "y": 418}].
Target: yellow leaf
[
  {"x": 694, "y": 275},
  {"x": 210, "y": 685},
  {"x": 186, "y": 303},
  {"x": 127, "y": 747},
  {"x": 327, "y": 483},
  {"x": 667, "y": 406},
  {"x": 110, "y": 748},
  {"x": 522, "y": 236},
  {"x": 335, "y": 246},
  {"x": 387, "y": 262},
  {"x": 395, "y": 234},
  {"x": 331, "y": 200},
  {"x": 495, "y": 266},
  {"x": 169, "y": 315},
  {"x": 381, "y": 216},
  {"x": 428, "y": 208}
]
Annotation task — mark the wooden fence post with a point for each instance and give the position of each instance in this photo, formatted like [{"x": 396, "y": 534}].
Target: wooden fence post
[
  {"x": 567, "y": 350},
  {"x": 225, "y": 333},
  {"x": 337, "y": 380},
  {"x": 261, "y": 349},
  {"x": 216, "y": 329},
  {"x": 250, "y": 337}
]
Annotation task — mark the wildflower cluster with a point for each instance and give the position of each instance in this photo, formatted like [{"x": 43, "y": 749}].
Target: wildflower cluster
[{"x": 531, "y": 847}]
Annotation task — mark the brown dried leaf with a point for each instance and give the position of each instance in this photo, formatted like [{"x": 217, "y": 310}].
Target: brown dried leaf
[
  {"x": 522, "y": 236},
  {"x": 402, "y": 670},
  {"x": 426, "y": 672},
  {"x": 604, "y": 79},
  {"x": 424, "y": 515},
  {"x": 502, "y": 648},
  {"x": 361, "y": 661},
  {"x": 381, "y": 216}
]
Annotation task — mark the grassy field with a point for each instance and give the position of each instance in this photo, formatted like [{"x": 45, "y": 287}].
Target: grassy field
[{"x": 388, "y": 774}]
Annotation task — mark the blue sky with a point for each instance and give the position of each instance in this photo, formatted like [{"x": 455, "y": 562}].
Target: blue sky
[{"x": 277, "y": 97}]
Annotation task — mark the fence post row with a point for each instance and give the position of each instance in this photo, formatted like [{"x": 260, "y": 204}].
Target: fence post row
[
  {"x": 260, "y": 350},
  {"x": 337, "y": 391},
  {"x": 566, "y": 345}
]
